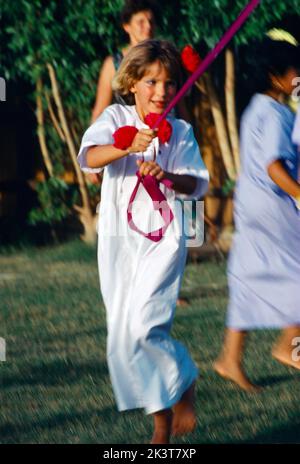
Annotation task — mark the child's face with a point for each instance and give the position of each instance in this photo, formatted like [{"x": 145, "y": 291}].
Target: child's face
[
  {"x": 154, "y": 91},
  {"x": 286, "y": 82},
  {"x": 140, "y": 27}
]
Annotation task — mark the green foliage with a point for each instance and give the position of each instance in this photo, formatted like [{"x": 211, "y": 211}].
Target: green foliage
[
  {"x": 228, "y": 187},
  {"x": 56, "y": 200},
  {"x": 75, "y": 36},
  {"x": 202, "y": 23}
]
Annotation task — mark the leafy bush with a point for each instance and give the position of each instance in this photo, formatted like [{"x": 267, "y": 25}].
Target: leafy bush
[{"x": 74, "y": 37}]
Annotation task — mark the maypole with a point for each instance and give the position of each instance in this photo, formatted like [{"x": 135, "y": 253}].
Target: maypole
[{"x": 212, "y": 55}]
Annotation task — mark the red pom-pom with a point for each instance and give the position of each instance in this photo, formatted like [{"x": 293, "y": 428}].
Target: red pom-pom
[
  {"x": 151, "y": 119},
  {"x": 164, "y": 129},
  {"x": 124, "y": 136},
  {"x": 190, "y": 58}
]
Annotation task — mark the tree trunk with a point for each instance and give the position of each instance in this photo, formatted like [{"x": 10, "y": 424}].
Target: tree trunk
[
  {"x": 54, "y": 120},
  {"x": 221, "y": 130},
  {"x": 231, "y": 108},
  {"x": 211, "y": 153},
  {"x": 218, "y": 209},
  {"x": 85, "y": 211},
  {"x": 41, "y": 127}
]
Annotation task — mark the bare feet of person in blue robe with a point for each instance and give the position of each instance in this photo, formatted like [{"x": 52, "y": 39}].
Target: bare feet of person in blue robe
[
  {"x": 229, "y": 363},
  {"x": 233, "y": 371}
]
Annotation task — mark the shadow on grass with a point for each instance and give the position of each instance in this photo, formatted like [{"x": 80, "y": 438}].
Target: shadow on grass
[
  {"x": 285, "y": 434},
  {"x": 12, "y": 433},
  {"x": 269, "y": 381},
  {"x": 263, "y": 382},
  {"x": 58, "y": 372}
]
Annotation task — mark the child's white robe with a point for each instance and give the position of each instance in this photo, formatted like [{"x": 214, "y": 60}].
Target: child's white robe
[{"x": 140, "y": 279}]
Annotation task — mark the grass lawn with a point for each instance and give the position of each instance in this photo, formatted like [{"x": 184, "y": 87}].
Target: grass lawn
[{"x": 55, "y": 386}]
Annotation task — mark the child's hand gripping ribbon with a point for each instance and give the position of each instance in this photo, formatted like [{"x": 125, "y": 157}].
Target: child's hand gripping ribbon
[{"x": 123, "y": 139}]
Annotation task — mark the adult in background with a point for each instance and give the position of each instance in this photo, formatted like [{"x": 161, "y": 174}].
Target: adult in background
[{"x": 138, "y": 19}]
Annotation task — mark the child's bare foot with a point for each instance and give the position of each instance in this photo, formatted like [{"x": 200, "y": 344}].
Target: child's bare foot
[
  {"x": 285, "y": 357},
  {"x": 162, "y": 427},
  {"x": 160, "y": 438},
  {"x": 232, "y": 371},
  {"x": 184, "y": 414}
]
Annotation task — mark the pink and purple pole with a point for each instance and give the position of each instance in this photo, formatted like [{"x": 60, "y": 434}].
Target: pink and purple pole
[{"x": 212, "y": 55}]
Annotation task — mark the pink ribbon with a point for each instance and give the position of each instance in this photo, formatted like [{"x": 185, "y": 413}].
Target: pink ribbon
[{"x": 151, "y": 185}]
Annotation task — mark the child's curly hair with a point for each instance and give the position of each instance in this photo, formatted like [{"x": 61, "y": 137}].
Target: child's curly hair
[{"x": 135, "y": 64}]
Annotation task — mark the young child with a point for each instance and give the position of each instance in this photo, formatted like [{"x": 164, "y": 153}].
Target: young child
[
  {"x": 264, "y": 266},
  {"x": 140, "y": 278}
]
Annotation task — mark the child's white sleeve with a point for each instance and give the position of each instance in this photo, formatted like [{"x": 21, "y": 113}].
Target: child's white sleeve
[
  {"x": 296, "y": 130},
  {"x": 188, "y": 161},
  {"x": 99, "y": 133}
]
